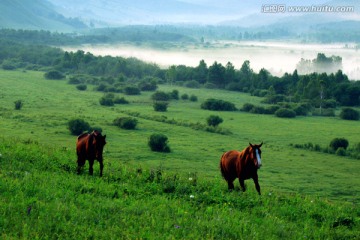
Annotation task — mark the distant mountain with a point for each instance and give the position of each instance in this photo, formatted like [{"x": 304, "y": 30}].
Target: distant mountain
[
  {"x": 124, "y": 12},
  {"x": 35, "y": 14}
]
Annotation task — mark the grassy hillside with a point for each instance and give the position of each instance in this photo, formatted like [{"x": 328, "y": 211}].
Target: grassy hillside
[
  {"x": 34, "y": 14},
  {"x": 147, "y": 195}
]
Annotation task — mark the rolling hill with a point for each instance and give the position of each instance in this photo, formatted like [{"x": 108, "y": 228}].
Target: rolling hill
[{"x": 35, "y": 15}]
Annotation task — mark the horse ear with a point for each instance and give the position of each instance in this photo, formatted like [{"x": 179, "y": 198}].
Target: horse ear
[
  {"x": 250, "y": 144},
  {"x": 261, "y": 144},
  {"x": 104, "y": 136}
]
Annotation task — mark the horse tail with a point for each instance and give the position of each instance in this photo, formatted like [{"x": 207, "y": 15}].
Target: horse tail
[{"x": 221, "y": 166}]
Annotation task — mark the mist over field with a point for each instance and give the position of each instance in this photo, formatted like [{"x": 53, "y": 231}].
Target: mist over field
[{"x": 276, "y": 57}]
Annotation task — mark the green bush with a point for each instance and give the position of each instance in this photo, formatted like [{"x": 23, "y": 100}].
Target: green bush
[
  {"x": 78, "y": 126},
  {"x": 148, "y": 84},
  {"x": 18, "y": 104},
  {"x": 106, "y": 101},
  {"x": 132, "y": 90},
  {"x": 54, "y": 75},
  {"x": 159, "y": 143},
  {"x": 193, "y": 98},
  {"x": 126, "y": 122},
  {"x": 160, "y": 96},
  {"x": 160, "y": 106},
  {"x": 218, "y": 105},
  {"x": 349, "y": 114},
  {"x": 81, "y": 87},
  {"x": 285, "y": 113},
  {"x": 214, "y": 120},
  {"x": 121, "y": 100},
  {"x": 174, "y": 94},
  {"x": 339, "y": 143},
  {"x": 247, "y": 107},
  {"x": 184, "y": 96},
  {"x": 192, "y": 84},
  {"x": 340, "y": 151}
]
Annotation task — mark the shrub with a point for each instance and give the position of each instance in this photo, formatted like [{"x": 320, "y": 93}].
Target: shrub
[
  {"x": 121, "y": 100},
  {"x": 54, "y": 75},
  {"x": 160, "y": 96},
  {"x": 81, "y": 87},
  {"x": 285, "y": 113},
  {"x": 131, "y": 90},
  {"x": 234, "y": 86},
  {"x": 218, "y": 105},
  {"x": 349, "y": 114},
  {"x": 247, "y": 107},
  {"x": 258, "y": 110},
  {"x": 160, "y": 106},
  {"x": 340, "y": 151},
  {"x": 78, "y": 126},
  {"x": 106, "y": 101},
  {"x": 18, "y": 104},
  {"x": 184, "y": 96},
  {"x": 214, "y": 120},
  {"x": 192, "y": 84},
  {"x": 174, "y": 94},
  {"x": 126, "y": 122},
  {"x": 327, "y": 112},
  {"x": 272, "y": 109},
  {"x": 158, "y": 143},
  {"x": 339, "y": 143},
  {"x": 148, "y": 84},
  {"x": 193, "y": 98},
  {"x": 301, "y": 110}
]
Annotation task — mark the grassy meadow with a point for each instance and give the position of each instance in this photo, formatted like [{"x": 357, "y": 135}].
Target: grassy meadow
[{"x": 177, "y": 195}]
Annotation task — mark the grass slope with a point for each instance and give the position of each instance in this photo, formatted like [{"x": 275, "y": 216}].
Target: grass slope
[{"x": 41, "y": 196}]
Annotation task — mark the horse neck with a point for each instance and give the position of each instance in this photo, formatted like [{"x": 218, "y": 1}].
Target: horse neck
[{"x": 247, "y": 154}]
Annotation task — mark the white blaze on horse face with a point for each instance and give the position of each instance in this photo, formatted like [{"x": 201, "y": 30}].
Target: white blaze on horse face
[{"x": 258, "y": 157}]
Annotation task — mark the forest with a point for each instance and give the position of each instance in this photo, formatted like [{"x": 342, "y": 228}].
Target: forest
[{"x": 316, "y": 87}]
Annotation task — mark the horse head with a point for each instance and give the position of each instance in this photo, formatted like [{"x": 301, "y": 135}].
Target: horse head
[
  {"x": 99, "y": 142},
  {"x": 255, "y": 152}
]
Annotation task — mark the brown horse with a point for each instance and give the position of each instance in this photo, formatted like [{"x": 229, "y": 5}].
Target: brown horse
[
  {"x": 90, "y": 146},
  {"x": 242, "y": 165}
]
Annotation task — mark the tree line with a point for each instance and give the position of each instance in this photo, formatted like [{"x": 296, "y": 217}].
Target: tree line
[{"x": 321, "y": 89}]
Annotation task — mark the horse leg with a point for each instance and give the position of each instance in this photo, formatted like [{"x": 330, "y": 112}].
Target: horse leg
[
  {"x": 230, "y": 185},
  {"x": 257, "y": 186},
  {"x": 91, "y": 169},
  {"x": 242, "y": 184},
  {"x": 101, "y": 167},
  {"x": 80, "y": 164}
]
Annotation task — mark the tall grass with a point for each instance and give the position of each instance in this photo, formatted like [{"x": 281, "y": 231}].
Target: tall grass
[{"x": 42, "y": 197}]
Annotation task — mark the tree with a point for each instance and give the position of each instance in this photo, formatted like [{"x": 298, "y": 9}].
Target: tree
[
  {"x": 216, "y": 75},
  {"x": 201, "y": 72}
]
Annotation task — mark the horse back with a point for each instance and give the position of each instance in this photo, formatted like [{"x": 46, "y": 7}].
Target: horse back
[
  {"x": 230, "y": 164},
  {"x": 82, "y": 143}
]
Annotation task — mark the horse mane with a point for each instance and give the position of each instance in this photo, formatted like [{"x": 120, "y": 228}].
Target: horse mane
[{"x": 82, "y": 135}]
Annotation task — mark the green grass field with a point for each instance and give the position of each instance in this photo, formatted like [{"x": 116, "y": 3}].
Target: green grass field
[{"x": 306, "y": 194}]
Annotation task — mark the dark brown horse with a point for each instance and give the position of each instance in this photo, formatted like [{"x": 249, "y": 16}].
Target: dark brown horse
[
  {"x": 90, "y": 146},
  {"x": 242, "y": 165}
]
